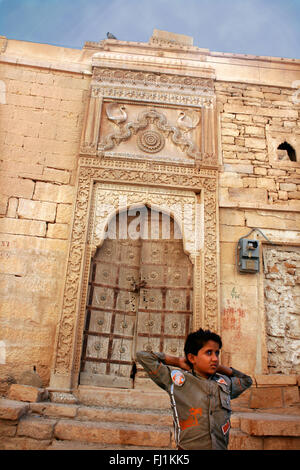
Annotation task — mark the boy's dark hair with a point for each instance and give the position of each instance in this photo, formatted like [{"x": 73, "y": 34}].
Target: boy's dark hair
[{"x": 197, "y": 340}]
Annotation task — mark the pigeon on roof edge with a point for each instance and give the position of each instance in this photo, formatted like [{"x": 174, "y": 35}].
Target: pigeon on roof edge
[{"x": 110, "y": 36}]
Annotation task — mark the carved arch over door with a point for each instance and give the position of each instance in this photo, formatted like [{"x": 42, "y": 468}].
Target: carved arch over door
[{"x": 156, "y": 183}]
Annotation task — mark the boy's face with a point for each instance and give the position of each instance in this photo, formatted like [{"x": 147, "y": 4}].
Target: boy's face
[{"x": 205, "y": 363}]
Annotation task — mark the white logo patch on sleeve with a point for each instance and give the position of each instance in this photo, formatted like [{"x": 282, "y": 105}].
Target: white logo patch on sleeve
[
  {"x": 221, "y": 381},
  {"x": 178, "y": 377}
]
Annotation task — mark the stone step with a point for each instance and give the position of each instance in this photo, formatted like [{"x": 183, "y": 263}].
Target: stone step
[
  {"x": 123, "y": 398},
  {"x": 269, "y": 424},
  {"x": 103, "y": 414},
  {"x": 12, "y": 410},
  {"x": 76, "y": 445},
  {"x": 106, "y": 433},
  {"x": 113, "y": 433}
]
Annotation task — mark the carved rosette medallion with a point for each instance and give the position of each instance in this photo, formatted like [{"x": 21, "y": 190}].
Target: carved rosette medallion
[{"x": 150, "y": 141}]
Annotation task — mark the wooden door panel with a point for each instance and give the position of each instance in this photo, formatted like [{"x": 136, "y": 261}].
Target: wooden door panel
[
  {"x": 149, "y": 323},
  {"x": 100, "y": 322},
  {"x": 173, "y": 346},
  {"x": 103, "y": 297},
  {"x": 150, "y": 299},
  {"x": 176, "y": 324},
  {"x": 176, "y": 300},
  {"x": 105, "y": 272},
  {"x": 97, "y": 347},
  {"x": 125, "y": 325},
  {"x": 140, "y": 298},
  {"x": 128, "y": 276}
]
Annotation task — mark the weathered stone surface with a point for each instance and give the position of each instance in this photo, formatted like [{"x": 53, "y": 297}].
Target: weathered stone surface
[
  {"x": 239, "y": 440},
  {"x": 11, "y": 410},
  {"x": 264, "y": 424},
  {"x": 266, "y": 398},
  {"x": 282, "y": 326},
  {"x": 112, "y": 434},
  {"x": 54, "y": 409},
  {"x": 23, "y": 443},
  {"x": 61, "y": 397},
  {"x": 36, "y": 428},
  {"x": 7, "y": 429},
  {"x": 117, "y": 415},
  {"x": 246, "y": 194},
  {"x": 283, "y": 443},
  {"x": 275, "y": 379},
  {"x": 291, "y": 396},
  {"x": 112, "y": 397},
  {"x": 26, "y": 393},
  {"x": 36, "y": 210},
  {"x": 30, "y": 377}
]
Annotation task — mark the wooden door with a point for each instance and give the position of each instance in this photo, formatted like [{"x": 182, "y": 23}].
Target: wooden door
[
  {"x": 165, "y": 306},
  {"x": 140, "y": 298}
]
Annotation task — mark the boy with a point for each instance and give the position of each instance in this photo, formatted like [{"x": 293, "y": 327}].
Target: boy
[{"x": 200, "y": 390}]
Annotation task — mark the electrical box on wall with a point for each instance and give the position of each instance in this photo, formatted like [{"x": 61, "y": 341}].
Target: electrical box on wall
[{"x": 248, "y": 255}]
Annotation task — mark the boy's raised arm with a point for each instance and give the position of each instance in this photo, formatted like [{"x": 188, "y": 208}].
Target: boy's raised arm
[{"x": 176, "y": 362}]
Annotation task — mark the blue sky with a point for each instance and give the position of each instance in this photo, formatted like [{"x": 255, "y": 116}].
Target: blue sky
[{"x": 259, "y": 27}]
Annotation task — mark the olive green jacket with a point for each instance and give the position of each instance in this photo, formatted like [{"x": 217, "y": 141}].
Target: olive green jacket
[{"x": 201, "y": 407}]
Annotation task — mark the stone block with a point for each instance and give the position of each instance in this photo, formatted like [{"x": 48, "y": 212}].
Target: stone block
[
  {"x": 263, "y": 424},
  {"x": 288, "y": 186},
  {"x": 266, "y": 398},
  {"x": 260, "y": 170},
  {"x": 294, "y": 195},
  {"x": 254, "y": 143},
  {"x": 36, "y": 427},
  {"x": 3, "y": 204},
  {"x": 24, "y": 443},
  {"x": 241, "y": 441},
  {"x": 267, "y": 183},
  {"x": 275, "y": 379},
  {"x": 58, "y": 161},
  {"x": 249, "y": 182},
  {"x": 272, "y": 221},
  {"x": 167, "y": 36},
  {"x": 26, "y": 393},
  {"x": 260, "y": 111},
  {"x": 232, "y": 217},
  {"x": 248, "y": 194},
  {"x": 17, "y": 187},
  {"x": 282, "y": 443},
  {"x": 64, "y": 213},
  {"x": 230, "y": 180},
  {"x": 56, "y": 176},
  {"x": 291, "y": 396},
  {"x": 108, "y": 433},
  {"x": 23, "y": 227},
  {"x": 60, "y": 231},
  {"x": 29, "y": 209},
  {"x": 12, "y": 410},
  {"x": 7, "y": 429},
  {"x": 253, "y": 130},
  {"x": 230, "y": 132},
  {"x": 58, "y": 410},
  {"x": 53, "y": 193},
  {"x": 248, "y": 169}
]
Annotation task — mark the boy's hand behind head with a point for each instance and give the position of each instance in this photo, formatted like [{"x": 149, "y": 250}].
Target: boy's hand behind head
[{"x": 183, "y": 364}]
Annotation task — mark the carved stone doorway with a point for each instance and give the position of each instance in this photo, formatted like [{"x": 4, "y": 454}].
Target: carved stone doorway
[{"x": 139, "y": 298}]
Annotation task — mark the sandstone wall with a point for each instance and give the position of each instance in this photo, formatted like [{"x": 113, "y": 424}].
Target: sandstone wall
[
  {"x": 41, "y": 116},
  {"x": 258, "y": 189},
  {"x": 40, "y": 128}
]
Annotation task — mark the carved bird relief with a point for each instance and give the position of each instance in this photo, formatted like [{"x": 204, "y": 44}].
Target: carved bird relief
[
  {"x": 116, "y": 113},
  {"x": 187, "y": 121}
]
